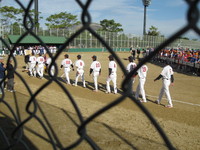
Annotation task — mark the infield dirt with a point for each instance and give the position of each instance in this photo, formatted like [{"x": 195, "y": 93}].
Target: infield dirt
[{"x": 122, "y": 127}]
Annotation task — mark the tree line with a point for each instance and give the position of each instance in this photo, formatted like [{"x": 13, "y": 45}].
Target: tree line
[{"x": 63, "y": 20}]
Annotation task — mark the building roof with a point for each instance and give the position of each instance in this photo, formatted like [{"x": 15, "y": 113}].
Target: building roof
[{"x": 32, "y": 40}]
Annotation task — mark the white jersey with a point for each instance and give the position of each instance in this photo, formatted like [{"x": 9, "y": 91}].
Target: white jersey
[
  {"x": 113, "y": 66},
  {"x": 48, "y": 61},
  {"x": 96, "y": 66},
  {"x": 40, "y": 60},
  {"x": 167, "y": 72},
  {"x": 32, "y": 59},
  {"x": 66, "y": 63},
  {"x": 79, "y": 64},
  {"x": 131, "y": 66},
  {"x": 142, "y": 71}
]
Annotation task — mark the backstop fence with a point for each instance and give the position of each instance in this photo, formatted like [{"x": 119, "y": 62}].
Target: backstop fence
[
  {"x": 114, "y": 39},
  {"x": 93, "y": 39}
]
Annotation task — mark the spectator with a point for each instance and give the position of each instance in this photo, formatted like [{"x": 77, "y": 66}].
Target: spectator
[
  {"x": 2, "y": 74},
  {"x": 10, "y": 75}
]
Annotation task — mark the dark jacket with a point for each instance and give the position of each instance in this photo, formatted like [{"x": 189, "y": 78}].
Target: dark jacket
[
  {"x": 10, "y": 71},
  {"x": 2, "y": 71}
]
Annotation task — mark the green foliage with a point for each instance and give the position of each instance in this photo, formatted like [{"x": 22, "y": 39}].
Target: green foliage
[
  {"x": 185, "y": 38},
  {"x": 13, "y": 16},
  {"x": 110, "y": 26},
  {"x": 62, "y": 20},
  {"x": 153, "y": 31},
  {"x": 10, "y": 15},
  {"x": 194, "y": 39}
]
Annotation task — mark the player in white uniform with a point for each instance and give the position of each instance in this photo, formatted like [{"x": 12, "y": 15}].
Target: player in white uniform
[
  {"x": 66, "y": 64},
  {"x": 142, "y": 74},
  {"x": 112, "y": 68},
  {"x": 168, "y": 78},
  {"x": 95, "y": 68},
  {"x": 32, "y": 65},
  {"x": 40, "y": 65},
  {"x": 80, "y": 70},
  {"x": 131, "y": 66},
  {"x": 48, "y": 62}
]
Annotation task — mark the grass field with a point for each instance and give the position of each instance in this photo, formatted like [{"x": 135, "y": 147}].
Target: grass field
[{"x": 122, "y": 127}]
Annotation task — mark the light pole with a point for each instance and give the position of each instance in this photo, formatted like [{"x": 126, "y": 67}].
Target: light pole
[
  {"x": 1, "y": 29},
  {"x": 36, "y": 16},
  {"x": 146, "y": 3}
]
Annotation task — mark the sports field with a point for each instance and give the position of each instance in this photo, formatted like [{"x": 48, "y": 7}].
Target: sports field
[{"x": 123, "y": 127}]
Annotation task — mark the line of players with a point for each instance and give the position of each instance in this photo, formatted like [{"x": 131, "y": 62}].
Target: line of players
[{"x": 37, "y": 65}]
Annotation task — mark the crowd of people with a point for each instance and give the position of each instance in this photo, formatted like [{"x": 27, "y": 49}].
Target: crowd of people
[
  {"x": 185, "y": 60},
  {"x": 36, "y": 65},
  {"x": 37, "y": 60},
  {"x": 36, "y": 49}
]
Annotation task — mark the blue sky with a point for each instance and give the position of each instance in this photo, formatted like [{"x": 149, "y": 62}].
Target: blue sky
[{"x": 167, "y": 15}]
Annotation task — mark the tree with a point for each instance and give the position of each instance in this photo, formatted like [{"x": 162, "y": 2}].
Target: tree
[
  {"x": 62, "y": 20},
  {"x": 110, "y": 26},
  {"x": 185, "y": 38},
  {"x": 10, "y": 15},
  {"x": 194, "y": 39},
  {"x": 153, "y": 31},
  {"x": 14, "y": 16}
]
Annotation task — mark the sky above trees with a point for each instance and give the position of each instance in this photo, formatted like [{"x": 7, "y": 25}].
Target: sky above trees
[{"x": 167, "y": 15}]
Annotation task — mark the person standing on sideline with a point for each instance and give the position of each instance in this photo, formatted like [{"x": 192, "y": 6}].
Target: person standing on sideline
[
  {"x": 167, "y": 79},
  {"x": 32, "y": 65},
  {"x": 132, "y": 51},
  {"x": 112, "y": 75},
  {"x": 95, "y": 68},
  {"x": 80, "y": 70},
  {"x": 40, "y": 65},
  {"x": 2, "y": 73},
  {"x": 66, "y": 64},
  {"x": 10, "y": 75},
  {"x": 27, "y": 53},
  {"x": 48, "y": 63},
  {"x": 142, "y": 74},
  {"x": 131, "y": 66}
]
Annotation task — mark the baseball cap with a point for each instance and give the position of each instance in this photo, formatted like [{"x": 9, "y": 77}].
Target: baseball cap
[
  {"x": 110, "y": 56},
  {"x": 66, "y": 55},
  {"x": 94, "y": 56},
  {"x": 130, "y": 58},
  {"x": 79, "y": 56}
]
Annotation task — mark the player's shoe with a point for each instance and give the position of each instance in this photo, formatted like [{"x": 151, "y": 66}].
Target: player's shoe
[
  {"x": 168, "y": 106},
  {"x": 107, "y": 92},
  {"x": 157, "y": 102},
  {"x": 74, "y": 84},
  {"x": 95, "y": 90},
  {"x": 142, "y": 101},
  {"x": 68, "y": 83}
]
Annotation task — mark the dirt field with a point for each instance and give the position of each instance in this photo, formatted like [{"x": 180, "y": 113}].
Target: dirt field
[{"x": 122, "y": 127}]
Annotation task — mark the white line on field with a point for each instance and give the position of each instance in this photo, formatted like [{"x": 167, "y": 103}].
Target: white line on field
[{"x": 177, "y": 101}]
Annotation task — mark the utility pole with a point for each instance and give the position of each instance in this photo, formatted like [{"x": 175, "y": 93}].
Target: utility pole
[
  {"x": 36, "y": 17},
  {"x": 146, "y": 3},
  {"x": 1, "y": 29}
]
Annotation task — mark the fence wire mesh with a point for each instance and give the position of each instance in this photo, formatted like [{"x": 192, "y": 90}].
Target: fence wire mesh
[{"x": 18, "y": 133}]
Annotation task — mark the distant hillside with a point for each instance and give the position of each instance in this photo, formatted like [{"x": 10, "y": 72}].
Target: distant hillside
[{"x": 94, "y": 26}]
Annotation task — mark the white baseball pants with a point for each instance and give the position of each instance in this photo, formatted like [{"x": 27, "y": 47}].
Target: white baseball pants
[
  {"x": 140, "y": 89},
  {"x": 113, "y": 78},
  {"x": 165, "y": 89},
  {"x": 95, "y": 76}
]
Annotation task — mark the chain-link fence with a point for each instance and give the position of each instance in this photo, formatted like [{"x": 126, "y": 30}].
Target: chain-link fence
[
  {"x": 92, "y": 39},
  {"x": 114, "y": 39}
]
